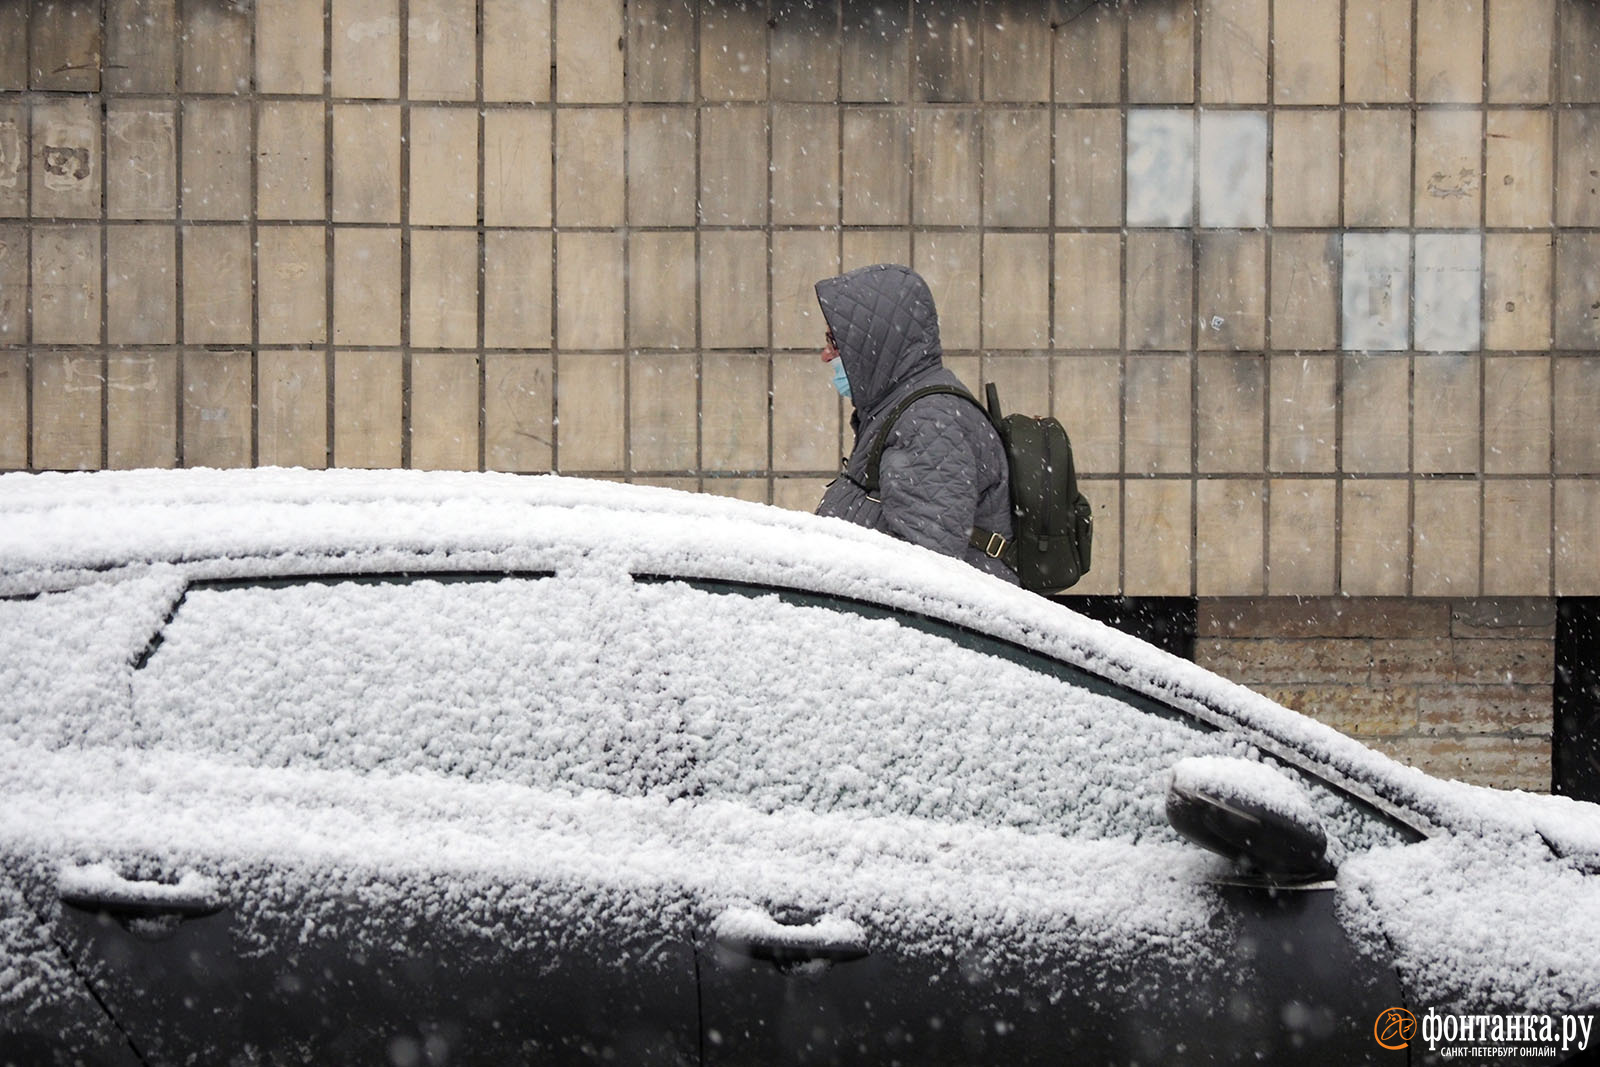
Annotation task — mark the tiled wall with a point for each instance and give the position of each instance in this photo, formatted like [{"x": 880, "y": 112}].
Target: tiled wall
[{"x": 1314, "y": 284}]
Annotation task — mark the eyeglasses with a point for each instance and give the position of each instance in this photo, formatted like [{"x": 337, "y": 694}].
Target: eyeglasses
[{"x": 831, "y": 342}]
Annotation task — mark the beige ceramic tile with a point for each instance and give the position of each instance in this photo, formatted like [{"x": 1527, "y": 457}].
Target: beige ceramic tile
[
  {"x": 661, "y": 290},
  {"x": 1377, "y": 154},
  {"x": 14, "y": 294},
  {"x": 1105, "y": 572},
  {"x": 1447, "y": 435},
  {"x": 1376, "y": 413},
  {"x": 289, "y": 160},
  {"x": 590, "y": 413},
  {"x": 949, "y": 263},
  {"x": 1577, "y": 315},
  {"x": 1305, "y": 168},
  {"x": 64, "y": 46},
  {"x": 1577, "y": 39},
  {"x": 1377, "y": 70},
  {"x": 15, "y": 153},
  {"x": 517, "y": 428},
  {"x": 141, "y": 410},
  {"x": 292, "y": 419},
  {"x": 444, "y": 289},
  {"x": 946, "y": 155},
  {"x": 1374, "y": 538},
  {"x": 733, "y": 289},
  {"x": 516, "y": 50},
  {"x": 1516, "y": 537},
  {"x": 1088, "y": 401},
  {"x": 1306, "y": 61},
  {"x": 141, "y": 46},
  {"x": 444, "y": 411},
  {"x": 1230, "y": 546},
  {"x": 216, "y": 284},
  {"x": 874, "y": 59},
  {"x": 1016, "y": 168},
  {"x": 1577, "y": 392},
  {"x": 1089, "y": 57},
  {"x": 366, "y": 294},
  {"x": 1305, "y": 291},
  {"x": 1230, "y": 414},
  {"x": 733, "y": 166},
  {"x": 441, "y": 46},
  {"x": 1016, "y": 290},
  {"x": 292, "y": 283},
  {"x": 1161, "y": 52},
  {"x": 587, "y": 60},
  {"x": 516, "y": 293},
  {"x": 1023, "y": 382},
  {"x": 1577, "y": 516},
  {"x": 863, "y": 248},
  {"x": 877, "y": 167},
  {"x": 1301, "y": 537},
  {"x": 1517, "y": 184},
  {"x": 366, "y": 163},
  {"x": 1088, "y": 290},
  {"x": 367, "y": 409},
  {"x": 805, "y": 52},
  {"x": 751, "y": 489},
  {"x": 805, "y": 416},
  {"x": 444, "y": 166},
  {"x": 1303, "y": 414},
  {"x": 1158, "y": 537},
  {"x": 68, "y": 170},
  {"x": 798, "y": 494},
  {"x": 517, "y": 164},
  {"x": 1158, "y": 296},
  {"x": 141, "y": 285},
  {"x": 1016, "y": 53},
  {"x": 214, "y": 175},
  {"x": 947, "y": 53},
  {"x": 733, "y": 411},
  {"x": 661, "y": 166},
  {"x": 366, "y": 49},
  {"x": 67, "y": 398},
  {"x": 1578, "y": 179},
  {"x": 217, "y": 417},
  {"x": 1520, "y": 38},
  {"x": 1088, "y": 167},
  {"x": 661, "y": 57},
  {"x": 1158, "y": 413},
  {"x": 1516, "y": 311},
  {"x": 1449, "y": 175},
  {"x": 13, "y": 410},
  {"x": 141, "y": 143},
  {"x": 1233, "y": 51},
  {"x": 590, "y": 294},
  {"x": 1233, "y": 289},
  {"x": 215, "y": 47},
  {"x": 1449, "y": 51},
  {"x": 733, "y": 50},
  {"x": 589, "y": 168},
  {"x": 805, "y": 179},
  {"x": 14, "y": 61},
  {"x": 799, "y": 261},
  {"x": 1516, "y": 432},
  {"x": 288, "y": 47},
  {"x": 662, "y": 412},
  {"x": 1445, "y": 538},
  {"x": 66, "y": 284}
]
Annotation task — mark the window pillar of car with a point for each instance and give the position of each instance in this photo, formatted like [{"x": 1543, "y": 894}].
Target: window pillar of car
[{"x": 1252, "y": 815}]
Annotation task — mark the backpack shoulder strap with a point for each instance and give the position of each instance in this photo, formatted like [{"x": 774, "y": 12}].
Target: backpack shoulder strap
[{"x": 875, "y": 457}]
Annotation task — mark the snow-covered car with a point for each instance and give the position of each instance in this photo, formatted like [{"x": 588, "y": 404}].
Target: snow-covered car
[{"x": 362, "y": 767}]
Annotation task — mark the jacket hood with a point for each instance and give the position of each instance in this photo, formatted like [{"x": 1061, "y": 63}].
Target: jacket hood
[{"x": 887, "y": 330}]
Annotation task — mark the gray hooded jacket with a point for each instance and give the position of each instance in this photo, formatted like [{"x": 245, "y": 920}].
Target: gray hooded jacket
[{"x": 943, "y": 469}]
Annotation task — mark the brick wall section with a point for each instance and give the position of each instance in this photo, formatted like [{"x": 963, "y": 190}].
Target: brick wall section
[{"x": 1459, "y": 688}]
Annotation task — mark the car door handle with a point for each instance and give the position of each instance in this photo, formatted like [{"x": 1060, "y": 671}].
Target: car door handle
[
  {"x": 96, "y": 887},
  {"x": 754, "y": 933}
]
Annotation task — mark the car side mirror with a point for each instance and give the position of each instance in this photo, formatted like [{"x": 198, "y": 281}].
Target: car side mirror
[{"x": 1251, "y": 814}]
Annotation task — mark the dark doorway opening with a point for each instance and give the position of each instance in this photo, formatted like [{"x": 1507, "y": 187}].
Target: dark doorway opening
[
  {"x": 1168, "y": 622},
  {"x": 1575, "y": 747}
]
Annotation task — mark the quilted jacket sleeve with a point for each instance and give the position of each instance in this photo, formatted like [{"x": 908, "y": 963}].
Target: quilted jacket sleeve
[{"x": 928, "y": 477}]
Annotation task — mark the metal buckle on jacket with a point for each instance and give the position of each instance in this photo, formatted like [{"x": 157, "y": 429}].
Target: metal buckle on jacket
[{"x": 995, "y": 547}]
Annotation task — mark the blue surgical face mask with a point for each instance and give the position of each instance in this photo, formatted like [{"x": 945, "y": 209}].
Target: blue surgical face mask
[{"x": 840, "y": 381}]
